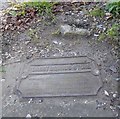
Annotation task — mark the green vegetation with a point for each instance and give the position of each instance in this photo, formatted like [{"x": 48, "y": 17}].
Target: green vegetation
[
  {"x": 114, "y": 8},
  {"x": 20, "y": 9},
  {"x": 32, "y": 33},
  {"x": 15, "y": 9},
  {"x": 112, "y": 34},
  {"x": 113, "y": 31},
  {"x": 102, "y": 37},
  {"x": 57, "y": 32},
  {"x": 2, "y": 69},
  {"x": 97, "y": 12},
  {"x": 40, "y": 7}
]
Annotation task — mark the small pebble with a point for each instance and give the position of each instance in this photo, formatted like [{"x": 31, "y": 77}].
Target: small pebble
[
  {"x": 107, "y": 14},
  {"x": 2, "y": 80},
  {"x": 72, "y": 13},
  {"x": 55, "y": 42},
  {"x": 30, "y": 100},
  {"x": 40, "y": 101},
  {"x": 67, "y": 13},
  {"x": 114, "y": 95},
  {"x": 106, "y": 93},
  {"x": 113, "y": 69},
  {"x": 96, "y": 35},
  {"x": 74, "y": 100},
  {"x": 100, "y": 26},
  {"x": 86, "y": 101},
  {"x": 97, "y": 72},
  {"x": 28, "y": 116},
  {"x": 118, "y": 106},
  {"x": 112, "y": 108},
  {"x": 117, "y": 79}
]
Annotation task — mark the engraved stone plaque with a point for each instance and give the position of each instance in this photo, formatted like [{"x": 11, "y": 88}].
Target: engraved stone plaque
[{"x": 65, "y": 76}]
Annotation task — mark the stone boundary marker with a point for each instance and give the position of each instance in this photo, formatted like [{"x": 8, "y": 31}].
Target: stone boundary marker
[{"x": 65, "y": 76}]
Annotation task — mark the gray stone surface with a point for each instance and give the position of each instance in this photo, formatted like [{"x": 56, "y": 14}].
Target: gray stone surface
[
  {"x": 70, "y": 76},
  {"x": 69, "y": 30}
]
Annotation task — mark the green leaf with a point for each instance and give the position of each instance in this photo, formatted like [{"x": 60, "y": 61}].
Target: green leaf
[
  {"x": 112, "y": 8},
  {"x": 13, "y": 13}
]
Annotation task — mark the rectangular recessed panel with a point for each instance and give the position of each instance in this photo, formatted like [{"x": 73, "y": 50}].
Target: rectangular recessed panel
[
  {"x": 61, "y": 61},
  {"x": 59, "y": 77}
]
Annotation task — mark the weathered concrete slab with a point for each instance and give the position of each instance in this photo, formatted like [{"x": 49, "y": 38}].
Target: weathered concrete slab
[{"x": 59, "y": 77}]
